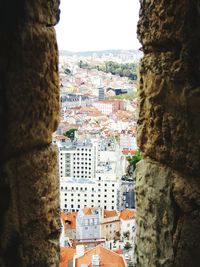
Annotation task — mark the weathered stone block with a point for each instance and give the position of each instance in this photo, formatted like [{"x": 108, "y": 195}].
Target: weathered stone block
[
  {"x": 166, "y": 25},
  {"x": 42, "y": 11},
  {"x": 33, "y": 215},
  {"x": 168, "y": 217},
  {"x": 155, "y": 215},
  {"x": 169, "y": 108},
  {"x": 31, "y": 89}
]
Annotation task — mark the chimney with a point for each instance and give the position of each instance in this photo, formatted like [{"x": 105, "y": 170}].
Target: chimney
[{"x": 95, "y": 260}]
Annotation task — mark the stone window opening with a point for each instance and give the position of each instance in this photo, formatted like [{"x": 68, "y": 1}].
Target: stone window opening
[{"x": 167, "y": 185}]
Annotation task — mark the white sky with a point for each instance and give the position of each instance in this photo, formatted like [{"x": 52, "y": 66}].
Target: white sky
[{"x": 97, "y": 25}]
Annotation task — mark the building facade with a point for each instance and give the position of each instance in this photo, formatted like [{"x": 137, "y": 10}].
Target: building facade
[
  {"x": 90, "y": 173},
  {"x": 88, "y": 225}
]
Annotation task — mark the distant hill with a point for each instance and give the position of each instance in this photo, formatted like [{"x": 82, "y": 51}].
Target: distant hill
[{"x": 101, "y": 53}]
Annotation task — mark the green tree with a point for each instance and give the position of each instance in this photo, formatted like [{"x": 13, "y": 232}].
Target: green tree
[
  {"x": 71, "y": 134},
  {"x": 135, "y": 159},
  {"x": 127, "y": 246},
  {"x": 80, "y": 63},
  {"x": 67, "y": 71}
]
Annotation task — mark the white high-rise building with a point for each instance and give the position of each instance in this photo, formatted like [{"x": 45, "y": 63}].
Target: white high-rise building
[
  {"x": 77, "y": 194},
  {"x": 90, "y": 173},
  {"x": 78, "y": 159}
]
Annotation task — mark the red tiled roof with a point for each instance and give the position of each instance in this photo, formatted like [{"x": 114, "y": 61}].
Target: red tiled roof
[
  {"x": 127, "y": 152},
  {"x": 69, "y": 219},
  {"x": 108, "y": 258},
  {"x": 87, "y": 211},
  {"x": 66, "y": 254},
  {"x": 127, "y": 214},
  {"x": 109, "y": 213}
]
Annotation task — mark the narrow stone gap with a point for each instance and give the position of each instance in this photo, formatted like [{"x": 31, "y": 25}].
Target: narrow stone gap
[{"x": 88, "y": 193}]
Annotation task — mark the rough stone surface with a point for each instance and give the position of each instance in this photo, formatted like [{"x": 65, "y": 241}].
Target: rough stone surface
[
  {"x": 169, "y": 118},
  {"x": 31, "y": 89},
  {"x": 168, "y": 217},
  {"x": 42, "y": 11},
  {"x": 29, "y": 113},
  {"x": 155, "y": 215},
  {"x": 168, "y": 180},
  {"x": 21, "y": 12},
  {"x": 31, "y": 223}
]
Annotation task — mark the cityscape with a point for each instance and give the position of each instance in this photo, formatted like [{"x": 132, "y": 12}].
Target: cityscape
[
  {"x": 97, "y": 154},
  {"x": 100, "y": 150}
]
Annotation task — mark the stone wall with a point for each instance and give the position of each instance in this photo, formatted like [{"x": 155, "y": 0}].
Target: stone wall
[
  {"x": 29, "y": 113},
  {"x": 168, "y": 179}
]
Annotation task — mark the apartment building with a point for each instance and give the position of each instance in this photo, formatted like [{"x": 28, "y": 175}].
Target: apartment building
[
  {"x": 78, "y": 159},
  {"x": 109, "y": 106},
  {"x": 77, "y": 194},
  {"x": 90, "y": 172},
  {"x": 110, "y": 225},
  {"x": 88, "y": 227}
]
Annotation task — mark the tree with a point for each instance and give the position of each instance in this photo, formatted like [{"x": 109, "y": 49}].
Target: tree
[
  {"x": 70, "y": 134},
  {"x": 135, "y": 159},
  {"x": 80, "y": 63},
  {"x": 67, "y": 71},
  {"x": 127, "y": 246}
]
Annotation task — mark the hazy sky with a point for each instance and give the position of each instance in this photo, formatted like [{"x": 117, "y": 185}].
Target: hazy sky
[{"x": 98, "y": 24}]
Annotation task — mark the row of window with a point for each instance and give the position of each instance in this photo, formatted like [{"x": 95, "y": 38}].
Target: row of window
[
  {"x": 81, "y": 188},
  {"x": 82, "y": 159},
  {"x": 83, "y": 163},
  {"x": 82, "y": 149},
  {"x": 78, "y": 149},
  {"x": 77, "y": 188},
  {"x": 81, "y": 172},
  {"x": 83, "y": 154},
  {"x": 85, "y": 167},
  {"x": 91, "y": 221},
  {"x": 67, "y": 174},
  {"x": 78, "y": 207},
  {"x": 85, "y": 195},
  {"x": 85, "y": 200}
]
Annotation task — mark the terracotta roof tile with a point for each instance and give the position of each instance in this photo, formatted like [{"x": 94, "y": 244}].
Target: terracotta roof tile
[
  {"x": 69, "y": 219},
  {"x": 129, "y": 152},
  {"x": 128, "y": 214},
  {"x": 108, "y": 258},
  {"x": 66, "y": 254},
  {"x": 109, "y": 213},
  {"x": 87, "y": 211}
]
